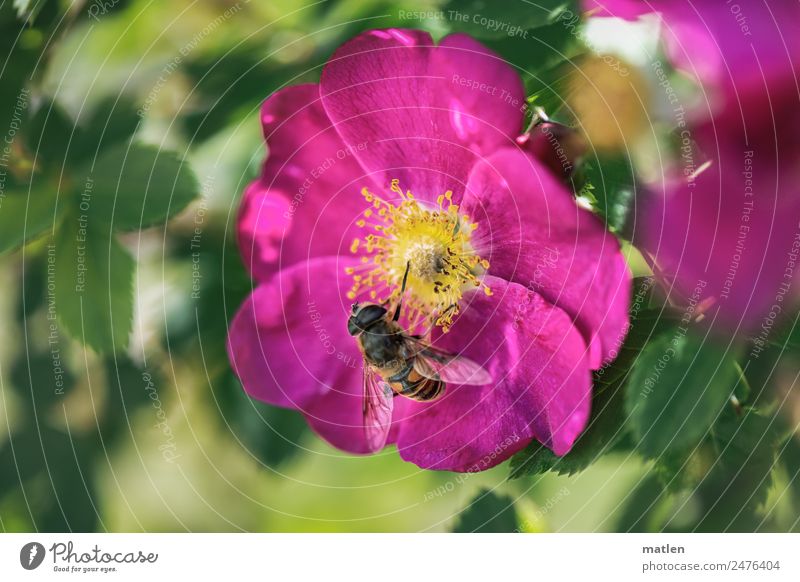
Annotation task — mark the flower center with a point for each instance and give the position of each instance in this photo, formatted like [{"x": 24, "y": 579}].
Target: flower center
[{"x": 434, "y": 245}]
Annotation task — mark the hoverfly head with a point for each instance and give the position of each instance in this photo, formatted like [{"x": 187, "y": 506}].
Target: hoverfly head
[{"x": 363, "y": 317}]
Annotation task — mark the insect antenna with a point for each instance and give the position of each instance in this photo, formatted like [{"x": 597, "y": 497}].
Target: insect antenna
[{"x": 402, "y": 290}]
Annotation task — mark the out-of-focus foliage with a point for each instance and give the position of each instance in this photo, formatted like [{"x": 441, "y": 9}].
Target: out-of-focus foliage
[{"x": 487, "y": 513}]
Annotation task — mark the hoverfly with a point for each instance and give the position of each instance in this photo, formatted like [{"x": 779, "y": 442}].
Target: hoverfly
[{"x": 397, "y": 363}]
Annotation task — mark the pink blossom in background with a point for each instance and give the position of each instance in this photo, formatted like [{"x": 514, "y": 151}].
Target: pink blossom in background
[
  {"x": 627, "y": 9},
  {"x": 729, "y": 231},
  {"x": 543, "y": 292}
]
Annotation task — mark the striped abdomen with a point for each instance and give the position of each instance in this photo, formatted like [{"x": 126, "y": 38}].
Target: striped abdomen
[{"x": 410, "y": 384}]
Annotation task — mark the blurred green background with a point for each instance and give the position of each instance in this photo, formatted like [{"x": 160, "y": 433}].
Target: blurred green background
[{"x": 148, "y": 429}]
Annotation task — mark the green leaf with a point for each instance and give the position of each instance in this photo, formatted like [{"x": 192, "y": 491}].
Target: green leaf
[
  {"x": 49, "y": 135},
  {"x": 231, "y": 86},
  {"x": 226, "y": 283},
  {"x": 127, "y": 390},
  {"x": 769, "y": 354},
  {"x": 542, "y": 55},
  {"x": 54, "y": 470},
  {"x": 43, "y": 378},
  {"x": 643, "y": 507},
  {"x": 792, "y": 334},
  {"x": 488, "y": 513},
  {"x": 494, "y": 19},
  {"x": 110, "y": 122},
  {"x": 738, "y": 482},
  {"x": 760, "y": 376},
  {"x": 683, "y": 469},
  {"x": 138, "y": 186},
  {"x": 678, "y": 388},
  {"x": 54, "y": 137},
  {"x": 547, "y": 89},
  {"x": 535, "y": 459},
  {"x": 789, "y": 457},
  {"x": 23, "y": 217},
  {"x": 541, "y": 48},
  {"x": 93, "y": 283},
  {"x": 23, "y": 47},
  {"x": 612, "y": 183}
]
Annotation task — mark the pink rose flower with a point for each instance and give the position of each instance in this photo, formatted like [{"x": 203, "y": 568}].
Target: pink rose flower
[{"x": 405, "y": 155}]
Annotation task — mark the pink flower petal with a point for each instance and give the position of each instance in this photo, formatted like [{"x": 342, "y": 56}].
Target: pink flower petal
[
  {"x": 532, "y": 233},
  {"x": 627, "y": 9},
  {"x": 732, "y": 46},
  {"x": 541, "y": 389},
  {"x": 726, "y": 238},
  {"x": 486, "y": 93},
  {"x": 289, "y": 343},
  {"x": 425, "y": 112},
  {"x": 337, "y": 417},
  {"x": 308, "y": 196}
]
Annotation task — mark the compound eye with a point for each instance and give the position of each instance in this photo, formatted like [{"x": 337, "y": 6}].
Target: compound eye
[
  {"x": 352, "y": 327},
  {"x": 370, "y": 314}
]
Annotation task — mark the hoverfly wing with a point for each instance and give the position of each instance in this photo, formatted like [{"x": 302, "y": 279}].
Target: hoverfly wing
[
  {"x": 436, "y": 364},
  {"x": 377, "y": 408}
]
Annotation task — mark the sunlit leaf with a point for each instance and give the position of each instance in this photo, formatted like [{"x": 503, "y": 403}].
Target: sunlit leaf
[{"x": 613, "y": 184}]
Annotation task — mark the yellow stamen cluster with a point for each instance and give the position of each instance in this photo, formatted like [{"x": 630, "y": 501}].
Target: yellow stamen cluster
[{"x": 433, "y": 243}]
